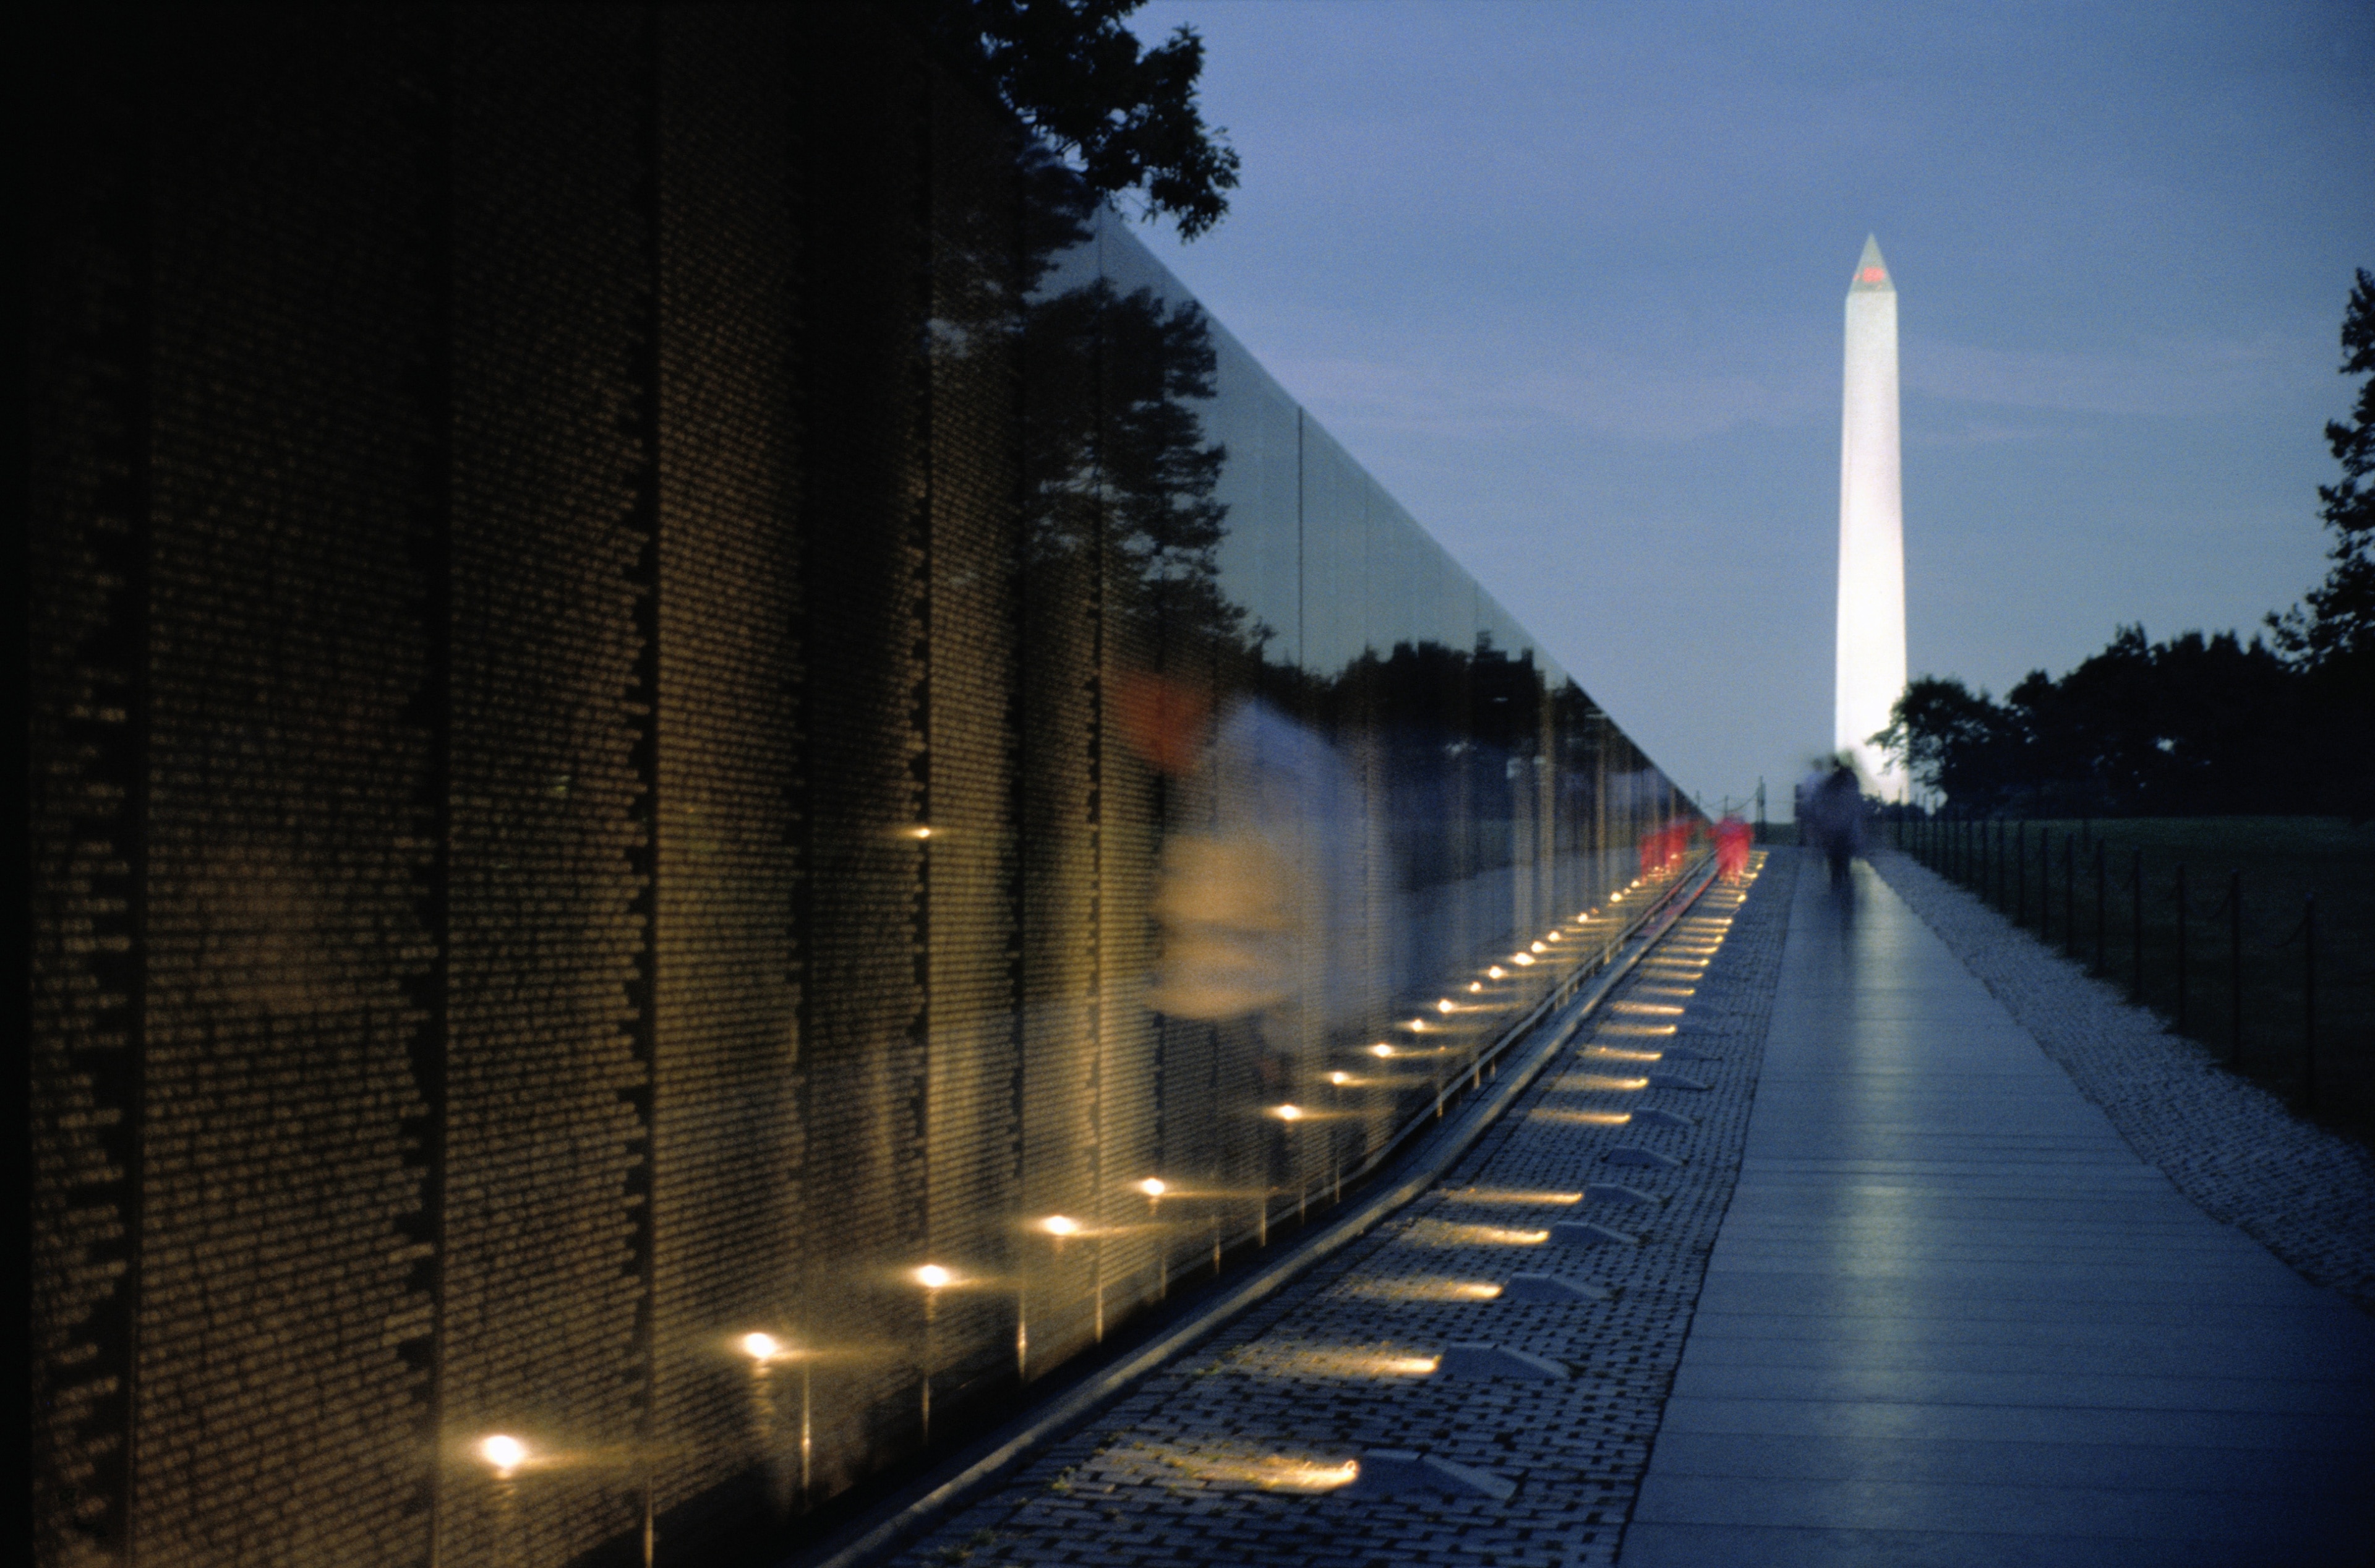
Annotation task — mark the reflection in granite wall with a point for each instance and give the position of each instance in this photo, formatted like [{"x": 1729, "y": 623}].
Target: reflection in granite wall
[{"x": 705, "y": 767}]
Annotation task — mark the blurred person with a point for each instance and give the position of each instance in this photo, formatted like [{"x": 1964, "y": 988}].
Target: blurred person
[
  {"x": 1731, "y": 839},
  {"x": 1830, "y": 818},
  {"x": 1251, "y": 903}
]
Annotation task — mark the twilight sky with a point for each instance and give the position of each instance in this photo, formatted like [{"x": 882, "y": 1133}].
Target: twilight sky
[{"x": 1569, "y": 279}]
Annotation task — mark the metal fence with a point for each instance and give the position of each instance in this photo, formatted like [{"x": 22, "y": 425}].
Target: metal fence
[{"x": 2237, "y": 971}]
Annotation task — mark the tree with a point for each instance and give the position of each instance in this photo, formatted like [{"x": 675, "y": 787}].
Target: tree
[
  {"x": 2339, "y": 625},
  {"x": 1964, "y": 745},
  {"x": 2195, "y": 725},
  {"x": 2334, "y": 640},
  {"x": 1072, "y": 72}
]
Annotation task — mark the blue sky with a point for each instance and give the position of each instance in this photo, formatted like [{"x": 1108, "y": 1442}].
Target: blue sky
[{"x": 1568, "y": 280}]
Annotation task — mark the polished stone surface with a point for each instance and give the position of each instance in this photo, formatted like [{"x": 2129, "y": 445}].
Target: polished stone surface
[{"x": 1951, "y": 1318}]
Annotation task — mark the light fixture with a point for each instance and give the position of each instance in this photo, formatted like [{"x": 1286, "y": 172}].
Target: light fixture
[
  {"x": 1153, "y": 1186},
  {"x": 932, "y": 1277},
  {"x": 762, "y": 1347},
  {"x": 503, "y": 1452},
  {"x": 1060, "y": 1225},
  {"x": 1381, "y": 1049},
  {"x": 1289, "y": 1112}
]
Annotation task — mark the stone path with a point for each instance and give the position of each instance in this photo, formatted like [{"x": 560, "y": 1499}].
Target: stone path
[
  {"x": 1952, "y": 1318},
  {"x": 1269, "y": 1444}
]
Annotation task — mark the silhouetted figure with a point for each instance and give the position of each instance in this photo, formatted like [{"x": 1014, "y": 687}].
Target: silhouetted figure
[{"x": 1830, "y": 814}]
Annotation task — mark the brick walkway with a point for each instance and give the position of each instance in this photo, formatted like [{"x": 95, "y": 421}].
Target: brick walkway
[{"x": 1242, "y": 1453}]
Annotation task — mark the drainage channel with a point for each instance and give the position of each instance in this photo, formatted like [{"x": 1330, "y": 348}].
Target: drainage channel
[{"x": 1589, "y": 1085}]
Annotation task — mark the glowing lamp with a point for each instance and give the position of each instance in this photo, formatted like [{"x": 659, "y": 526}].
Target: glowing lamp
[
  {"x": 1060, "y": 1225},
  {"x": 1153, "y": 1186},
  {"x": 762, "y": 1347},
  {"x": 503, "y": 1452},
  {"x": 932, "y": 1277},
  {"x": 1381, "y": 1049},
  {"x": 1289, "y": 1112}
]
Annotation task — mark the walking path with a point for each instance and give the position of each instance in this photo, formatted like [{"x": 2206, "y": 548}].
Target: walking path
[
  {"x": 1888, "y": 1289},
  {"x": 1951, "y": 1318}
]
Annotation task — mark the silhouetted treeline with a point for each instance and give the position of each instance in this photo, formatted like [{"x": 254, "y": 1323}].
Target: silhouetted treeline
[{"x": 2195, "y": 725}]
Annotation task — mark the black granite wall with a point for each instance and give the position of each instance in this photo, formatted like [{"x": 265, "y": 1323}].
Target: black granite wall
[{"x": 594, "y": 575}]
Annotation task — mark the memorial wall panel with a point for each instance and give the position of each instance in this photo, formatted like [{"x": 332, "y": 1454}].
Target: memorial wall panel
[
  {"x": 972, "y": 615},
  {"x": 87, "y": 556},
  {"x": 549, "y": 1273},
  {"x": 865, "y": 107},
  {"x": 289, "y": 805},
  {"x": 710, "y": 778},
  {"x": 729, "y": 1157}
]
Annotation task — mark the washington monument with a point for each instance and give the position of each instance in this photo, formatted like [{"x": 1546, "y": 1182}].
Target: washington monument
[{"x": 1871, "y": 530}]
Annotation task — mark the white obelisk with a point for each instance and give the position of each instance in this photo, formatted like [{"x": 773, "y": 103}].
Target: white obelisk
[{"x": 1871, "y": 530}]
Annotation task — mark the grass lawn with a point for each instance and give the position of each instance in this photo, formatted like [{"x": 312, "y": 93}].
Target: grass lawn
[{"x": 2276, "y": 863}]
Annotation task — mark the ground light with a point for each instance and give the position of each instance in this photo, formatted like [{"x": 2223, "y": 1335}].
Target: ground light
[
  {"x": 503, "y": 1453},
  {"x": 933, "y": 1278},
  {"x": 767, "y": 1353}
]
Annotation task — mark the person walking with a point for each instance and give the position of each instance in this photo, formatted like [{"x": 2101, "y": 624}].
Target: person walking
[{"x": 1832, "y": 813}]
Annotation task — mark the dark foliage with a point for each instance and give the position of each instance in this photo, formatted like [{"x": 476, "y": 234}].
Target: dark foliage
[
  {"x": 2195, "y": 725},
  {"x": 2338, "y": 628},
  {"x": 1074, "y": 73}
]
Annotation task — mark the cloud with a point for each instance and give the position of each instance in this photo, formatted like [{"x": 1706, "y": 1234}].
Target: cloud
[
  {"x": 2185, "y": 376},
  {"x": 1483, "y": 392}
]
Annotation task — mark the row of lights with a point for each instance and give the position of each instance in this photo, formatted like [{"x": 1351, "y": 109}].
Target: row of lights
[
  {"x": 1292, "y": 1475},
  {"x": 506, "y": 1455}
]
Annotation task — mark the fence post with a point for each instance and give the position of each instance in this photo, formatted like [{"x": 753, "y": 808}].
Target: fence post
[
  {"x": 2136, "y": 912},
  {"x": 2102, "y": 915},
  {"x": 2180, "y": 947},
  {"x": 2070, "y": 895},
  {"x": 2234, "y": 960},
  {"x": 2308, "y": 1001},
  {"x": 2045, "y": 884},
  {"x": 2020, "y": 873}
]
